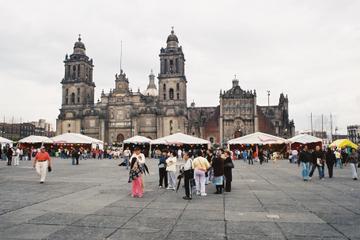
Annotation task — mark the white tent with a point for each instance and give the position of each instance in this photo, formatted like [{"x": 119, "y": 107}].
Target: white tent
[
  {"x": 77, "y": 138},
  {"x": 5, "y": 141},
  {"x": 36, "y": 139},
  {"x": 179, "y": 138},
  {"x": 258, "y": 138},
  {"x": 137, "y": 139},
  {"x": 304, "y": 139}
]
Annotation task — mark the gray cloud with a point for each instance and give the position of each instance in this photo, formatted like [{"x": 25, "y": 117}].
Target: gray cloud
[{"x": 307, "y": 49}]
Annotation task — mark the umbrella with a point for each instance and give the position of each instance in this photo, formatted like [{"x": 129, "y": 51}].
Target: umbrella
[
  {"x": 179, "y": 181},
  {"x": 343, "y": 143}
]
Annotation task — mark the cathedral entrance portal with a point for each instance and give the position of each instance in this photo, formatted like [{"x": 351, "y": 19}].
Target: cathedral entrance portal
[
  {"x": 238, "y": 133},
  {"x": 120, "y": 138}
]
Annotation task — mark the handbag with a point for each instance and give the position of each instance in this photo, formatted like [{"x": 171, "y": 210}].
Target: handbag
[{"x": 229, "y": 165}]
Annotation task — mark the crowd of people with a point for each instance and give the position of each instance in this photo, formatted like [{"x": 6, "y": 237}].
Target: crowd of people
[
  {"x": 13, "y": 155},
  {"x": 196, "y": 168},
  {"x": 312, "y": 159}
]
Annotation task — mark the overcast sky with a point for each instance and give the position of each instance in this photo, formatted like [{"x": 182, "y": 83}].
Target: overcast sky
[{"x": 309, "y": 50}]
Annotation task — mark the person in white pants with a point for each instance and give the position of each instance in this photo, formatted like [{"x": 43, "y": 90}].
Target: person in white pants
[
  {"x": 353, "y": 160},
  {"x": 200, "y": 166},
  {"x": 17, "y": 157},
  {"x": 41, "y": 163},
  {"x": 171, "y": 171}
]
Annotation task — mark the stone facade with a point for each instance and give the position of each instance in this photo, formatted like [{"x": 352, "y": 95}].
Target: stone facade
[{"x": 156, "y": 112}]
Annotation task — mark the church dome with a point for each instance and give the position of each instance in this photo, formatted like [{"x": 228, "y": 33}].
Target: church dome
[
  {"x": 151, "y": 92},
  {"x": 172, "y": 40},
  {"x": 79, "y": 47},
  {"x": 79, "y": 43},
  {"x": 172, "y": 37}
]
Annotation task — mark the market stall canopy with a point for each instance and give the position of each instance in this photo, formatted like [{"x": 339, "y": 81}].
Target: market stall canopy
[
  {"x": 5, "y": 141},
  {"x": 343, "y": 143},
  {"x": 258, "y": 138},
  {"x": 137, "y": 139},
  {"x": 304, "y": 139},
  {"x": 179, "y": 138},
  {"x": 36, "y": 139},
  {"x": 75, "y": 138}
]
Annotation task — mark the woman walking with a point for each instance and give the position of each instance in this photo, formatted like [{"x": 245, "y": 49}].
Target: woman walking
[
  {"x": 218, "y": 167},
  {"x": 228, "y": 166},
  {"x": 353, "y": 160},
  {"x": 171, "y": 170},
  {"x": 317, "y": 162},
  {"x": 136, "y": 178},
  {"x": 200, "y": 166}
]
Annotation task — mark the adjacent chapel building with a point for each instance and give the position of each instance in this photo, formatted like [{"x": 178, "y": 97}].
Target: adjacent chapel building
[{"x": 161, "y": 109}]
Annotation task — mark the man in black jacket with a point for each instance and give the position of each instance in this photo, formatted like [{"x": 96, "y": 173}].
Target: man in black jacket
[
  {"x": 305, "y": 159},
  {"x": 9, "y": 154},
  {"x": 317, "y": 162},
  {"x": 330, "y": 161}
]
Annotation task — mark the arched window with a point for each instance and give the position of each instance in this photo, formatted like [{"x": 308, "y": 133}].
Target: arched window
[
  {"x": 164, "y": 96},
  {"x": 72, "y": 99},
  {"x": 78, "y": 95},
  {"x": 73, "y": 72},
  {"x": 171, "y": 94},
  {"x": 67, "y": 96},
  {"x": 78, "y": 71},
  {"x": 171, "y": 66},
  {"x": 177, "y": 96},
  {"x": 164, "y": 87},
  {"x": 177, "y": 87}
]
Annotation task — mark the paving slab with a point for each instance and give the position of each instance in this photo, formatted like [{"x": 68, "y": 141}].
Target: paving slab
[{"x": 92, "y": 201}]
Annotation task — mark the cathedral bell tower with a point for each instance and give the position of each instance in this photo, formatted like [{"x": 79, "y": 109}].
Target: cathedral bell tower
[
  {"x": 172, "y": 88},
  {"x": 77, "y": 89},
  {"x": 77, "y": 84}
]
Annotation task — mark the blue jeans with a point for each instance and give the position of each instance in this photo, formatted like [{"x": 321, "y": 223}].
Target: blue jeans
[
  {"x": 338, "y": 163},
  {"x": 73, "y": 160},
  {"x": 305, "y": 170},
  {"x": 126, "y": 160}
]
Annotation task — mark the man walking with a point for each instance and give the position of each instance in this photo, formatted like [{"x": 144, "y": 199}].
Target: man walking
[
  {"x": 42, "y": 163},
  {"x": 188, "y": 174},
  {"x": 330, "y": 161},
  {"x": 9, "y": 154},
  {"x": 304, "y": 160}
]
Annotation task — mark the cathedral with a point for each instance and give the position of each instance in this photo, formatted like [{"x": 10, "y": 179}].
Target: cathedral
[{"x": 160, "y": 110}]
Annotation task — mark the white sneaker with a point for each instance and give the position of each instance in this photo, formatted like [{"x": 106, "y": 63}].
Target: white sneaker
[
  {"x": 198, "y": 193},
  {"x": 203, "y": 194},
  {"x": 168, "y": 188}
]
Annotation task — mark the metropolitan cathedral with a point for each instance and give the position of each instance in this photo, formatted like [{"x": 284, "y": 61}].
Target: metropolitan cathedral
[{"x": 161, "y": 109}]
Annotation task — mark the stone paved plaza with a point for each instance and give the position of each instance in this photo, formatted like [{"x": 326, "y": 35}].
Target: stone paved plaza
[{"x": 92, "y": 201}]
